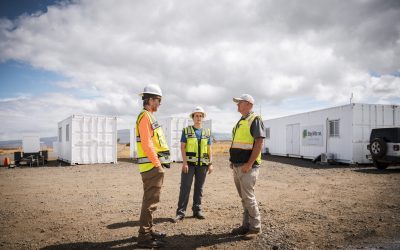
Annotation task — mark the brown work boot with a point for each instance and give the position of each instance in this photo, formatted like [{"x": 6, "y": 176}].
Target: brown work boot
[
  {"x": 251, "y": 234},
  {"x": 240, "y": 230}
]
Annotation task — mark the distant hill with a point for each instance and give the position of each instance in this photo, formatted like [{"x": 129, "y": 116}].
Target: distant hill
[
  {"x": 11, "y": 144},
  {"x": 222, "y": 136},
  {"x": 48, "y": 141},
  {"x": 122, "y": 134}
]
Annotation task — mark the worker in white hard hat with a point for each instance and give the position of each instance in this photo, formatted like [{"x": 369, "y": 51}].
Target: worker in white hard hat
[
  {"x": 245, "y": 157},
  {"x": 153, "y": 156},
  {"x": 197, "y": 162}
]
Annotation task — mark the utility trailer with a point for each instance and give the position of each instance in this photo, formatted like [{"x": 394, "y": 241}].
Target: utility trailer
[
  {"x": 338, "y": 134},
  {"x": 31, "y": 154}
]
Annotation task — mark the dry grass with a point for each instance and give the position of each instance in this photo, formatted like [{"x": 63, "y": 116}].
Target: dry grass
[
  {"x": 218, "y": 148},
  {"x": 4, "y": 151},
  {"x": 221, "y": 147},
  {"x": 123, "y": 151}
]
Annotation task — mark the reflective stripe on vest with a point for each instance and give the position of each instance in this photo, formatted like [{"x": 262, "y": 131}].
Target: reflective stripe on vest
[
  {"x": 195, "y": 160},
  {"x": 158, "y": 140},
  {"x": 192, "y": 146},
  {"x": 163, "y": 160},
  {"x": 242, "y": 138},
  {"x": 247, "y": 146}
]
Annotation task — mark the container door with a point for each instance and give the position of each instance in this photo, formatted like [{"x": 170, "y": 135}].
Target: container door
[
  {"x": 289, "y": 139},
  {"x": 296, "y": 139},
  {"x": 293, "y": 139}
]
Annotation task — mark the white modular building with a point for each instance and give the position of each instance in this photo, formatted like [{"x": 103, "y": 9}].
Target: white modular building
[
  {"x": 31, "y": 143},
  {"x": 87, "y": 139},
  {"x": 172, "y": 128},
  {"x": 338, "y": 133}
]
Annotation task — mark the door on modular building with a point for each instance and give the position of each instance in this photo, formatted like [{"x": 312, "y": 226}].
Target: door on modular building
[{"x": 293, "y": 139}]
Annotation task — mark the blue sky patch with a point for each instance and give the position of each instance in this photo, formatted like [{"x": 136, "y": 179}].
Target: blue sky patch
[
  {"x": 17, "y": 78},
  {"x": 11, "y": 9}
]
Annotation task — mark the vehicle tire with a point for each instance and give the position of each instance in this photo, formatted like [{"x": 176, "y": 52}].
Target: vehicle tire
[
  {"x": 380, "y": 165},
  {"x": 378, "y": 148}
]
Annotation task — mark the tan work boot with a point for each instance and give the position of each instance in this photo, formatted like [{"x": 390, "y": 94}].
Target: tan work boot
[
  {"x": 251, "y": 234},
  {"x": 240, "y": 230}
]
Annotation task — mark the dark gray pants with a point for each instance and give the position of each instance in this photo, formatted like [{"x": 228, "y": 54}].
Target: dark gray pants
[{"x": 199, "y": 173}]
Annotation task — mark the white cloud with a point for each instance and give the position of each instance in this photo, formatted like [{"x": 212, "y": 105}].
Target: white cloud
[{"x": 204, "y": 53}]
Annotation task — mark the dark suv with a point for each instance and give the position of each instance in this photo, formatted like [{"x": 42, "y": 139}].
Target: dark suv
[{"x": 384, "y": 147}]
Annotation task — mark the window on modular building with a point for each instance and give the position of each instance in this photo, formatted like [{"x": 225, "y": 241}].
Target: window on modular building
[
  {"x": 267, "y": 133},
  {"x": 334, "y": 128},
  {"x": 67, "y": 132},
  {"x": 59, "y": 134}
]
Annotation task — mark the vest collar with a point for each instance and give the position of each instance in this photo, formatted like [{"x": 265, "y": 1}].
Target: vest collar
[
  {"x": 246, "y": 116},
  {"x": 151, "y": 112}
]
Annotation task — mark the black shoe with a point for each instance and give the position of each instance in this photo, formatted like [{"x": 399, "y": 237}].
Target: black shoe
[
  {"x": 240, "y": 231},
  {"x": 178, "y": 218},
  {"x": 150, "y": 244},
  {"x": 199, "y": 215},
  {"x": 158, "y": 235}
]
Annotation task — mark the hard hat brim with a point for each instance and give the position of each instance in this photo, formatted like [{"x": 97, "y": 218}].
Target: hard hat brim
[{"x": 150, "y": 93}]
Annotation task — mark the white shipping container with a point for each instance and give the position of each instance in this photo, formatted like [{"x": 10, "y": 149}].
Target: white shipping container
[
  {"x": 31, "y": 143},
  {"x": 172, "y": 127},
  {"x": 342, "y": 132},
  {"x": 132, "y": 142},
  {"x": 87, "y": 139}
]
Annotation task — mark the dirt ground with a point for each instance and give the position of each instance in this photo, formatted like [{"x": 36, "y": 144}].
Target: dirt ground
[{"x": 303, "y": 206}]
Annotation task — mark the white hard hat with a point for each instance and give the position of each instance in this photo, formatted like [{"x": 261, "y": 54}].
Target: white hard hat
[
  {"x": 151, "y": 89},
  {"x": 198, "y": 109},
  {"x": 244, "y": 97}
]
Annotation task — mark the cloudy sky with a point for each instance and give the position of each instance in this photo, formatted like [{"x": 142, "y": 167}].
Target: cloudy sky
[{"x": 59, "y": 58}]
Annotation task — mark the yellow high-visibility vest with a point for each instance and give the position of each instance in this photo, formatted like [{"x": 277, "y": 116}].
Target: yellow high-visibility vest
[
  {"x": 196, "y": 153},
  {"x": 243, "y": 142},
  {"x": 159, "y": 142}
]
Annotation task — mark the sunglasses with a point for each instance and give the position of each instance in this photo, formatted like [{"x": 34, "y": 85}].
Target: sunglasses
[{"x": 157, "y": 98}]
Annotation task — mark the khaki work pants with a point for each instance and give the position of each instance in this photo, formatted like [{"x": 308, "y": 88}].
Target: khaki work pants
[
  {"x": 152, "y": 183},
  {"x": 245, "y": 183}
]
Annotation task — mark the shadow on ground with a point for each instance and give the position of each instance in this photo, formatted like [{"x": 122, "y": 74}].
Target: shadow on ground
[
  {"x": 128, "y": 243},
  {"x": 172, "y": 242},
  {"x": 137, "y": 223},
  {"x": 50, "y": 163},
  {"x": 303, "y": 163},
  {"x": 306, "y": 163},
  {"x": 373, "y": 170}
]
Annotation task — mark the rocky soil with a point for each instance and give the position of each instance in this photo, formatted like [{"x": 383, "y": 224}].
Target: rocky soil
[{"x": 303, "y": 206}]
